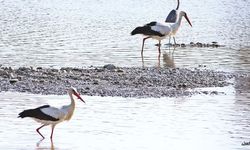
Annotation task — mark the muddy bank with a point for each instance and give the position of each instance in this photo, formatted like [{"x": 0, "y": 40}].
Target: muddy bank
[{"x": 112, "y": 81}]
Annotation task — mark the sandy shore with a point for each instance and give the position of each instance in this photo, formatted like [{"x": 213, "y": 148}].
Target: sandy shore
[{"x": 113, "y": 81}]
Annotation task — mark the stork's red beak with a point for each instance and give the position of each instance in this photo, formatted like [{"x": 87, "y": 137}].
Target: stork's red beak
[
  {"x": 188, "y": 20},
  {"x": 78, "y": 96}
]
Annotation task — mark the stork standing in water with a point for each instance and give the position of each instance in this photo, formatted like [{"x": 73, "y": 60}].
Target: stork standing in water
[
  {"x": 159, "y": 31},
  {"x": 47, "y": 115},
  {"x": 172, "y": 18}
]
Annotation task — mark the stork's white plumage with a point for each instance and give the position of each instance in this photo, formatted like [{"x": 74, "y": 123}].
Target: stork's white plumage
[
  {"x": 172, "y": 17},
  {"x": 159, "y": 31},
  {"x": 47, "y": 115}
]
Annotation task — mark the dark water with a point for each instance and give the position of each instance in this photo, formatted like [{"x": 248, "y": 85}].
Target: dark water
[{"x": 96, "y": 32}]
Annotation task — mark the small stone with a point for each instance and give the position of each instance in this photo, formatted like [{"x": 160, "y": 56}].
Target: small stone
[
  {"x": 39, "y": 68},
  {"x": 10, "y": 69},
  {"x": 95, "y": 82},
  {"x": 115, "y": 82},
  {"x": 41, "y": 81},
  {"x": 19, "y": 78},
  {"x": 119, "y": 71},
  {"x": 205, "y": 92},
  {"x": 183, "y": 45},
  {"x": 216, "y": 45},
  {"x": 13, "y": 81},
  {"x": 214, "y": 92},
  {"x": 199, "y": 44},
  {"x": 109, "y": 66},
  {"x": 54, "y": 70},
  {"x": 3, "y": 73},
  {"x": 99, "y": 70}
]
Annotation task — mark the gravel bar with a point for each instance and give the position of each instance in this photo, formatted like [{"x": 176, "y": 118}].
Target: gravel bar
[{"x": 110, "y": 80}]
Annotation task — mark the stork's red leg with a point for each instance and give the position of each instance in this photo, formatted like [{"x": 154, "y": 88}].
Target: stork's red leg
[
  {"x": 159, "y": 47},
  {"x": 37, "y": 130},
  {"x": 143, "y": 45},
  {"x": 52, "y": 131},
  {"x": 174, "y": 40}
]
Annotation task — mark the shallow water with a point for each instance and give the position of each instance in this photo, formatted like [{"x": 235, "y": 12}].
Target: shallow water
[
  {"x": 56, "y": 33},
  {"x": 96, "y": 32},
  {"x": 197, "y": 122}
]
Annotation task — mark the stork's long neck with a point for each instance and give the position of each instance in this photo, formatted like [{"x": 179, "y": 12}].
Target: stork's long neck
[
  {"x": 71, "y": 108},
  {"x": 175, "y": 26},
  {"x": 179, "y": 20},
  {"x": 178, "y": 4}
]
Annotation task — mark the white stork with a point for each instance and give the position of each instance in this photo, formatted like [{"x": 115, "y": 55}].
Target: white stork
[
  {"x": 47, "y": 115},
  {"x": 159, "y": 31},
  {"x": 172, "y": 16}
]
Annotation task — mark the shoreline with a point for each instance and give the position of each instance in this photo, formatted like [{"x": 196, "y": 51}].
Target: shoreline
[{"x": 110, "y": 80}]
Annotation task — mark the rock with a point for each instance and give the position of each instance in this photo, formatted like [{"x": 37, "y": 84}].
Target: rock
[
  {"x": 120, "y": 71},
  {"x": 13, "y": 81},
  {"x": 95, "y": 82},
  {"x": 54, "y": 70},
  {"x": 214, "y": 93},
  {"x": 99, "y": 70},
  {"x": 199, "y": 44},
  {"x": 109, "y": 66},
  {"x": 205, "y": 92},
  {"x": 4, "y": 73},
  {"x": 183, "y": 45}
]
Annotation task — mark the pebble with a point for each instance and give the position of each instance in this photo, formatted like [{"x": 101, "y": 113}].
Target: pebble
[
  {"x": 3, "y": 73},
  {"x": 183, "y": 45},
  {"x": 197, "y": 44},
  {"x": 109, "y": 66},
  {"x": 13, "y": 81}
]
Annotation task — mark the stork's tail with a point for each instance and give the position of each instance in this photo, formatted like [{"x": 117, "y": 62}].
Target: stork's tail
[
  {"x": 25, "y": 113},
  {"x": 140, "y": 30}
]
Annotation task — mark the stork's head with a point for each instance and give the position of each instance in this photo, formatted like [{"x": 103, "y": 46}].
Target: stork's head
[
  {"x": 73, "y": 91},
  {"x": 183, "y": 13}
]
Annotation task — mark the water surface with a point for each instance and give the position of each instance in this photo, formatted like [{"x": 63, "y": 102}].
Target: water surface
[
  {"x": 57, "y": 33},
  {"x": 81, "y": 33},
  {"x": 197, "y": 122}
]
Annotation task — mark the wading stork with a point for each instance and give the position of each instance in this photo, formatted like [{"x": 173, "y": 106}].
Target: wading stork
[
  {"x": 172, "y": 16},
  {"x": 47, "y": 115},
  {"x": 159, "y": 31}
]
